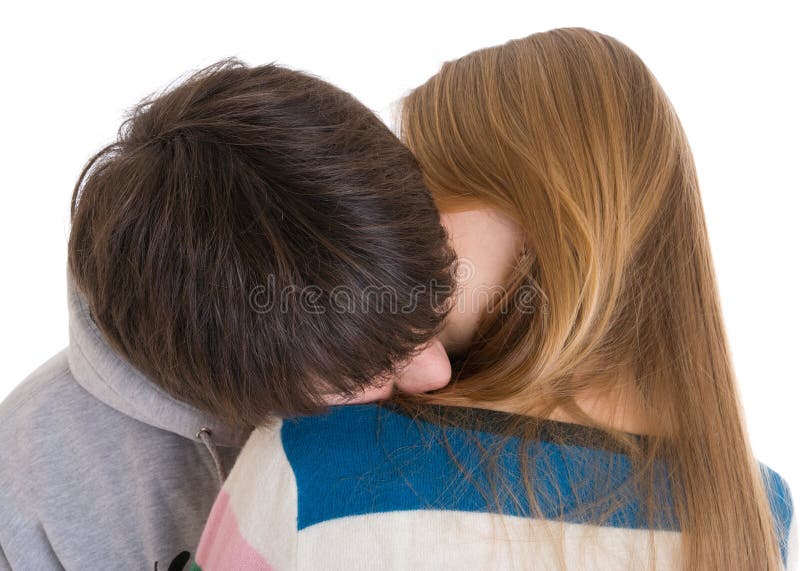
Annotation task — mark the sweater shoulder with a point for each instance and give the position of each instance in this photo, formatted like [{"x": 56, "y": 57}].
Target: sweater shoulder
[{"x": 784, "y": 513}]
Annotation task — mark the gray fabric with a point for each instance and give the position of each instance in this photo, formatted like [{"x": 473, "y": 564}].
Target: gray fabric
[{"x": 100, "y": 468}]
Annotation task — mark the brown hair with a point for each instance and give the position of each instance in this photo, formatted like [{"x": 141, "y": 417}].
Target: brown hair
[
  {"x": 569, "y": 134},
  {"x": 241, "y": 239}
]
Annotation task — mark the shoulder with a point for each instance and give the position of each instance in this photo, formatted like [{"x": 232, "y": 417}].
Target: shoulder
[
  {"x": 255, "y": 513},
  {"x": 27, "y": 412},
  {"x": 51, "y": 427},
  {"x": 46, "y": 417},
  {"x": 352, "y": 439},
  {"x": 341, "y": 436},
  {"x": 47, "y": 406},
  {"x": 783, "y": 510},
  {"x": 340, "y": 425},
  {"x": 27, "y": 424},
  {"x": 46, "y": 380},
  {"x": 780, "y": 496}
]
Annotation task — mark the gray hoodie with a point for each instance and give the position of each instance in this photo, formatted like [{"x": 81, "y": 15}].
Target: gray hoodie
[{"x": 100, "y": 468}]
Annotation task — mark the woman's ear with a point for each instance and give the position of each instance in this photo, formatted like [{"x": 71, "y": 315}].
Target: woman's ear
[
  {"x": 428, "y": 370},
  {"x": 370, "y": 394}
]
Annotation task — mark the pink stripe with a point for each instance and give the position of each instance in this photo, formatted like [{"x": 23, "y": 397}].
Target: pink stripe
[{"x": 222, "y": 546}]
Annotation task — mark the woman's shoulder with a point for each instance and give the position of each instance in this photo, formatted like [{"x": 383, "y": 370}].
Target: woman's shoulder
[
  {"x": 344, "y": 438},
  {"x": 339, "y": 426},
  {"x": 779, "y": 493},
  {"x": 362, "y": 458},
  {"x": 783, "y": 511}
]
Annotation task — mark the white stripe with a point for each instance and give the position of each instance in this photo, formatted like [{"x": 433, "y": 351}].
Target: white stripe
[
  {"x": 792, "y": 563},
  {"x": 263, "y": 495},
  {"x": 432, "y": 539}
]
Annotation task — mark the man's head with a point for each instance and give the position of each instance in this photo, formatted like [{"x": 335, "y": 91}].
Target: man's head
[{"x": 256, "y": 239}]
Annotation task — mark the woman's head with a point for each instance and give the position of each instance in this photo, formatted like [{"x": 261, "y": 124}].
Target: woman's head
[
  {"x": 567, "y": 136},
  {"x": 565, "y": 141}
]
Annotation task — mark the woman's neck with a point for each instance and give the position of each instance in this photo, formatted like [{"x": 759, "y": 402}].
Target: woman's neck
[{"x": 607, "y": 403}]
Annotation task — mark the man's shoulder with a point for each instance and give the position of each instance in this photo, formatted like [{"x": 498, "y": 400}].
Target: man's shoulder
[
  {"x": 50, "y": 380},
  {"x": 71, "y": 464},
  {"x": 49, "y": 419},
  {"x": 31, "y": 414},
  {"x": 25, "y": 413}
]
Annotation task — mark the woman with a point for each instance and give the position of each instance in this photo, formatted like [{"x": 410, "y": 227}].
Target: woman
[{"x": 593, "y": 402}]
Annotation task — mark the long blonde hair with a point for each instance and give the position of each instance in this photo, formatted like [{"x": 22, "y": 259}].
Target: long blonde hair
[{"x": 569, "y": 134}]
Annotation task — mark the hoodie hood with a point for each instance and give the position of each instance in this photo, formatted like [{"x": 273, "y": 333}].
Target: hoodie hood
[{"x": 111, "y": 379}]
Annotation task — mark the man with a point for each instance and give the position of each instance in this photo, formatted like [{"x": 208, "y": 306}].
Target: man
[{"x": 231, "y": 257}]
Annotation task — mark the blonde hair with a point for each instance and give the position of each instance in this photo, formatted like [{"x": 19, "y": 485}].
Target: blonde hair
[{"x": 570, "y": 134}]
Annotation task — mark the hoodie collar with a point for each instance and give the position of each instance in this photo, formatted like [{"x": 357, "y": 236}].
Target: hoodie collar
[{"x": 111, "y": 379}]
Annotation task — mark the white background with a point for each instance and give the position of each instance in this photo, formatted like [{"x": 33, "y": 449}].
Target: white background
[{"x": 71, "y": 69}]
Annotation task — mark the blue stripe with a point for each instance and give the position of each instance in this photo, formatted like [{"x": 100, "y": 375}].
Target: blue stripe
[
  {"x": 365, "y": 459},
  {"x": 780, "y": 500}
]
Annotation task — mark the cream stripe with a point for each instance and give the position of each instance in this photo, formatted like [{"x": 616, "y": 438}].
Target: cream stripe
[
  {"x": 792, "y": 563},
  {"x": 263, "y": 473},
  {"x": 428, "y": 539}
]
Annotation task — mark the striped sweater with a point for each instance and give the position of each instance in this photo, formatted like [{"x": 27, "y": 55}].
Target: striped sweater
[{"x": 368, "y": 487}]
